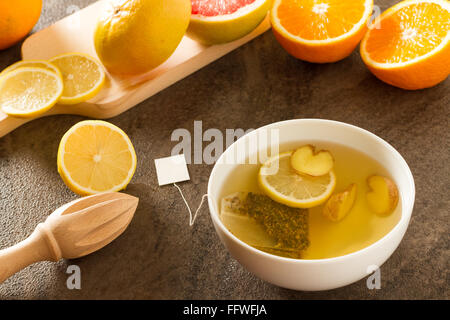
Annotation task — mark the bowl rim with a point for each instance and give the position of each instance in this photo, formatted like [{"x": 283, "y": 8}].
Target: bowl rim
[{"x": 406, "y": 210}]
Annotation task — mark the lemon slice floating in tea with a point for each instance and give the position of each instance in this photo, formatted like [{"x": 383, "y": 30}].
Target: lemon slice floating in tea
[
  {"x": 281, "y": 183},
  {"x": 96, "y": 156},
  {"x": 83, "y": 77},
  {"x": 28, "y": 92}
]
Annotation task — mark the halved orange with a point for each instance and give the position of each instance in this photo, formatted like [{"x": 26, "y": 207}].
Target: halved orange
[
  {"x": 410, "y": 46},
  {"x": 320, "y": 30}
]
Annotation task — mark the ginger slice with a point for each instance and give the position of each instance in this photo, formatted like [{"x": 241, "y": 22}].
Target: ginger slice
[
  {"x": 305, "y": 160},
  {"x": 383, "y": 195},
  {"x": 340, "y": 204}
]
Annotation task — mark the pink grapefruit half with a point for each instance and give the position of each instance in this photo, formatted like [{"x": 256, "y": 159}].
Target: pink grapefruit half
[{"x": 220, "y": 21}]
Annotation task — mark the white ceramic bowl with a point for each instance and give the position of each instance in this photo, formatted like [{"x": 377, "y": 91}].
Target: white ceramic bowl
[{"x": 321, "y": 274}]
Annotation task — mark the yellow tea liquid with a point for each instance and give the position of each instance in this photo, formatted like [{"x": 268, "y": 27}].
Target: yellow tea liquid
[{"x": 359, "y": 229}]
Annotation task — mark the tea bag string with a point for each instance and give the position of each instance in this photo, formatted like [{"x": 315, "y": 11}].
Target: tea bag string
[{"x": 191, "y": 218}]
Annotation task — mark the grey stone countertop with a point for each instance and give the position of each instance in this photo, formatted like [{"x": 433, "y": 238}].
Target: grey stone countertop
[{"x": 159, "y": 256}]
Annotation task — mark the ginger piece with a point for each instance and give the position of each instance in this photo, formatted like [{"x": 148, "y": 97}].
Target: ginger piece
[
  {"x": 306, "y": 161},
  {"x": 383, "y": 195},
  {"x": 340, "y": 204}
]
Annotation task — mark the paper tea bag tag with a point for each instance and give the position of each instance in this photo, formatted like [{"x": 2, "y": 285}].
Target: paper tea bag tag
[{"x": 171, "y": 169}]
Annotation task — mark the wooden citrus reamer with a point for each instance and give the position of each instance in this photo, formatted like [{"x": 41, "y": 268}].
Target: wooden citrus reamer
[
  {"x": 72, "y": 231},
  {"x": 75, "y": 34}
]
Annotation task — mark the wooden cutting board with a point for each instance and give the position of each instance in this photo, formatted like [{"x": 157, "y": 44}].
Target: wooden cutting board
[{"x": 75, "y": 34}]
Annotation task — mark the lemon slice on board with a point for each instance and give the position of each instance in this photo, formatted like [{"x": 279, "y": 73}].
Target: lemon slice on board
[
  {"x": 83, "y": 77},
  {"x": 28, "y": 92},
  {"x": 33, "y": 64},
  {"x": 96, "y": 156},
  {"x": 282, "y": 184}
]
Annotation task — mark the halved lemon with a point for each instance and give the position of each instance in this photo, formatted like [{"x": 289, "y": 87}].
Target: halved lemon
[
  {"x": 282, "y": 184},
  {"x": 33, "y": 64},
  {"x": 96, "y": 156},
  {"x": 409, "y": 47},
  {"x": 83, "y": 77},
  {"x": 320, "y": 31},
  {"x": 28, "y": 92}
]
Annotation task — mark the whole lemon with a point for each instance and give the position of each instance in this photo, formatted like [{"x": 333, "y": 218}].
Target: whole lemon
[{"x": 135, "y": 36}]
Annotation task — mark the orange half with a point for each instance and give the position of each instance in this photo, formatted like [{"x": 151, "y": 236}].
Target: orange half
[
  {"x": 409, "y": 46},
  {"x": 320, "y": 30}
]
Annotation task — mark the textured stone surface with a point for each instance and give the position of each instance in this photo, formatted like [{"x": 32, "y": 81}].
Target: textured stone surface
[{"x": 160, "y": 256}]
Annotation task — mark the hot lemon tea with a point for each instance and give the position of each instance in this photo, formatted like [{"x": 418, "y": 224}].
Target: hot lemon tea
[{"x": 324, "y": 200}]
